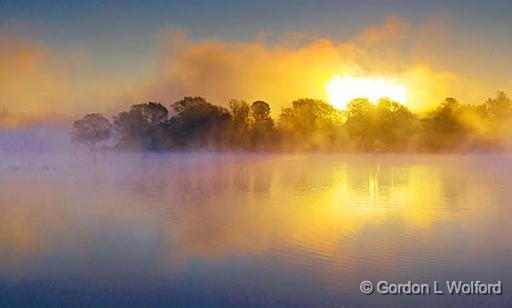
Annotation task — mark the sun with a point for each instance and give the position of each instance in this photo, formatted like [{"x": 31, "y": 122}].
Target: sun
[{"x": 340, "y": 91}]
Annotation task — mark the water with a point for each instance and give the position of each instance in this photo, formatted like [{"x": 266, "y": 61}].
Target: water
[{"x": 250, "y": 229}]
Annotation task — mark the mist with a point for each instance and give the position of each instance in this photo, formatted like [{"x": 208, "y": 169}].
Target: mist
[
  {"x": 300, "y": 64},
  {"x": 43, "y": 83}
]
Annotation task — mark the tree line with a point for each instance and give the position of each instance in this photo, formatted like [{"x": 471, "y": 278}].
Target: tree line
[{"x": 308, "y": 124}]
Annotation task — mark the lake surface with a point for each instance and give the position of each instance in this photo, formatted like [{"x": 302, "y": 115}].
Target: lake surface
[{"x": 111, "y": 229}]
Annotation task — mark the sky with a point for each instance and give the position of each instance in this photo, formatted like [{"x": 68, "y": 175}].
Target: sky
[{"x": 63, "y": 59}]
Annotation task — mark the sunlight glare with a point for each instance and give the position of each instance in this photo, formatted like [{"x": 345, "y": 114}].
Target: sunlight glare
[{"x": 340, "y": 91}]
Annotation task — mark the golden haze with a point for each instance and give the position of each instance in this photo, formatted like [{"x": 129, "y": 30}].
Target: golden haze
[{"x": 39, "y": 80}]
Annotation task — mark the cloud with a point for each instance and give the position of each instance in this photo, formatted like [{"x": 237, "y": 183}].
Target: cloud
[
  {"x": 392, "y": 29},
  {"x": 299, "y": 66},
  {"x": 27, "y": 83},
  {"x": 39, "y": 82}
]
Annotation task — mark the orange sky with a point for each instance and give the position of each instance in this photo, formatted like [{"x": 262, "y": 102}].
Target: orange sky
[{"x": 39, "y": 81}]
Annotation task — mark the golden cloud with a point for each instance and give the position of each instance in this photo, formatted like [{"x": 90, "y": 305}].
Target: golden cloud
[
  {"x": 38, "y": 81},
  {"x": 298, "y": 66}
]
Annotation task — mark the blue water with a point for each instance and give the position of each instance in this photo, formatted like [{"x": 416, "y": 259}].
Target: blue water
[{"x": 216, "y": 230}]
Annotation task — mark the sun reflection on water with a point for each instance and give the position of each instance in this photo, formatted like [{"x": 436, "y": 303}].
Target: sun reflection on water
[{"x": 326, "y": 215}]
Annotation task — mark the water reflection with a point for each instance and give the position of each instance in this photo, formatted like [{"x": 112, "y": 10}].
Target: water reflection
[{"x": 304, "y": 228}]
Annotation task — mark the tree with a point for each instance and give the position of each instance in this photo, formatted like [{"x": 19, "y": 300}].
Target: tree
[
  {"x": 239, "y": 131},
  {"x": 196, "y": 122},
  {"x": 444, "y": 128},
  {"x": 386, "y": 126},
  {"x": 260, "y": 114},
  {"x": 359, "y": 107},
  {"x": 240, "y": 112},
  {"x": 309, "y": 114},
  {"x": 91, "y": 129},
  {"x": 495, "y": 120},
  {"x": 153, "y": 113},
  {"x": 396, "y": 127},
  {"x": 143, "y": 127},
  {"x": 310, "y": 123},
  {"x": 262, "y": 133},
  {"x": 499, "y": 107},
  {"x": 360, "y": 123}
]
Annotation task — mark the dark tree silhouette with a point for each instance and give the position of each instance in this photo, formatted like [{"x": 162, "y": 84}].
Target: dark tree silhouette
[
  {"x": 260, "y": 113},
  {"x": 444, "y": 129},
  {"x": 153, "y": 113},
  {"x": 308, "y": 114},
  {"x": 196, "y": 122},
  {"x": 262, "y": 125},
  {"x": 240, "y": 112},
  {"x": 239, "y": 131},
  {"x": 143, "y": 127},
  {"x": 395, "y": 128},
  {"x": 91, "y": 129},
  {"x": 309, "y": 124}
]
